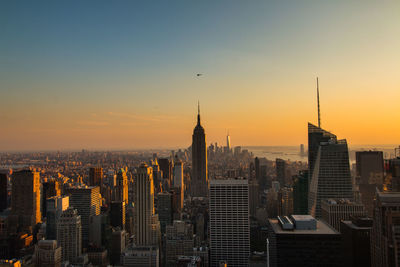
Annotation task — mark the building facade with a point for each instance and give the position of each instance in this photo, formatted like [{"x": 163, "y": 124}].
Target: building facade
[
  {"x": 121, "y": 192},
  {"x": 369, "y": 176},
  {"x": 47, "y": 254},
  {"x": 144, "y": 206},
  {"x": 336, "y": 210},
  {"x": 87, "y": 201},
  {"x": 356, "y": 234},
  {"x": 69, "y": 235},
  {"x": 55, "y": 207},
  {"x": 95, "y": 176},
  {"x": 331, "y": 177},
  {"x": 385, "y": 240},
  {"x": 199, "y": 180},
  {"x": 229, "y": 222},
  {"x": 25, "y": 198},
  {"x": 300, "y": 193}
]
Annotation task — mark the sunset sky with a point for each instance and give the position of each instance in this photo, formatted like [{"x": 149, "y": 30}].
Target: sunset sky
[{"x": 122, "y": 74}]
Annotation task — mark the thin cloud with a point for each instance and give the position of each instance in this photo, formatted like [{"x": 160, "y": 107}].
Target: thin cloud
[
  {"x": 93, "y": 123},
  {"x": 152, "y": 118}
]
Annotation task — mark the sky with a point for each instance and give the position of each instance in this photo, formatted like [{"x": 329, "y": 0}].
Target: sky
[{"x": 122, "y": 74}]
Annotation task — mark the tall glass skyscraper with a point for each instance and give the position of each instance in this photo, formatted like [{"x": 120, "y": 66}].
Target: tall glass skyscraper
[
  {"x": 331, "y": 176},
  {"x": 316, "y": 135}
]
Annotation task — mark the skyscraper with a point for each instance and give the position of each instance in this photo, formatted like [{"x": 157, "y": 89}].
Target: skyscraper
[
  {"x": 166, "y": 166},
  {"x": 229, "y": 222},
  {"x": 316, "y": 135},
  {"x": 122, "y": 187},
  {"x": 25, "y": 197},
  {"x": 331, "y": 176},
  {"x": 3, "y": 191},
  {"x": 228, "y": 143},
  {"x": 199, "y": 183},
  {"x": 144, "y": 205},
  {"x": 50, "y": 188},
  {"x": 300, "y": 193},
  {"x": 280, "y": 165},
  {"x": 178, "y": 187},
  {"x": 87, "y": 200},
  {"x": 55, "y": 207},
  {"x": 164, "y": 209},
  {"x": 385, "y": 239},
  {"x": 95, "y": 176},
  {"x": 178, "y": 174},
  {"x": 369, "y": 166},
  {"x": 69, "y": 235},
  {"x": 117, "y": 214},
  {"x": 253, "y": 197}
]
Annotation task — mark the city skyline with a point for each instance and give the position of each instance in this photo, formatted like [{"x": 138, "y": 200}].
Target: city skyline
[{"x": 124, "y": 76}]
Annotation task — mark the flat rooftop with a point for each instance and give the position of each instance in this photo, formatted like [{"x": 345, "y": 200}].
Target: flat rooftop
[{"x": 322, "y": 229}]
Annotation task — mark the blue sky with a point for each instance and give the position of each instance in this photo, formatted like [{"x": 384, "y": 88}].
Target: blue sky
[{"x": 64, "y": 62}]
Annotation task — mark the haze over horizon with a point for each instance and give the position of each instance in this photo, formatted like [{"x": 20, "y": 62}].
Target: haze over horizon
[{"x": 122, "y": 75}]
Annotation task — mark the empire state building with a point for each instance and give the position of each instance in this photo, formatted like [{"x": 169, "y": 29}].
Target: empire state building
[{"x": 199, "y": 181}]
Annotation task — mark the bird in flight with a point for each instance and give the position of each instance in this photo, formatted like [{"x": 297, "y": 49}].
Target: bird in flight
[{"x": 198, "y": 74}]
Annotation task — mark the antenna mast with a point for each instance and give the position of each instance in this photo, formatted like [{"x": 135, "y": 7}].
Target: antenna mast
[{"x": 319, "y": 113}]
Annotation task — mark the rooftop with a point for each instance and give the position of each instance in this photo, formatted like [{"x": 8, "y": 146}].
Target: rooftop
[{"x": 322, "y": 228}]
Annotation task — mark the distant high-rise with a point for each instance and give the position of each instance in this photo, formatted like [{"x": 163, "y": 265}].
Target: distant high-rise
[
  {"x": 87, "y": 200},
  {"x": 253, "y": 197},
  {"x": 55, "y": 207},
  {"x": 300, "y": 193},
  {"x": 257, "y": 168},
  {"x": 199, "y": 182},
  {"x": 144, "y": 205},
  {"x": 331, "y": 176},
  {"x": 179, "y": 184},
  {"x": 25, "y": 197},
  {"x": 280, "y": 171},
  {"x": 95, "y": 176},
  {"x": 49, "y": 189},
  {"x": 164, "y": 209},
  {"x": 166, "y": 166},
  {"x": 394, "y": 171},
  {"x": 69, "y": 235},
  {"x": 178, "y": 174},
  {"x": 369, "y": 177},
  {"x": 228, "y": 142},
  {"x": 285, "y": 198},
  {"x": 229, "y": 222},
  {"x": 385, "y": 239},
  {"x": 3, "y": 191},
  {"x": 117, "y": 214},
  {"x": 122, "y": 187},
  {"x": 302, "y": 152}
]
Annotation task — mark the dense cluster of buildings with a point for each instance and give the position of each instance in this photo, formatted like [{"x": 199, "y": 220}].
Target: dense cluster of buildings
[{"x": 202, "y": 206}]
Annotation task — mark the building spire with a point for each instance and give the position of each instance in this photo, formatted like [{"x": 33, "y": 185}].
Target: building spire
[
  {"x": 198, "y": 112},
  {"x": 319, "y": 113}
]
